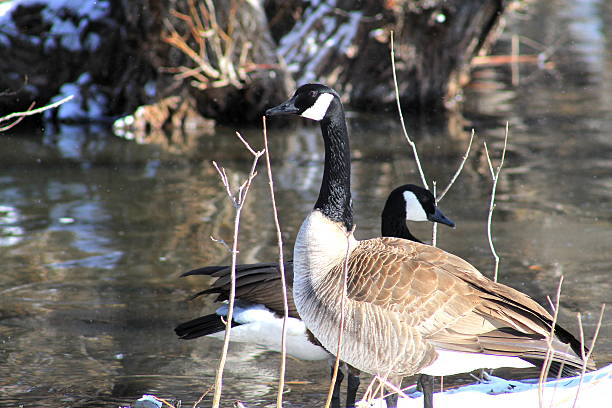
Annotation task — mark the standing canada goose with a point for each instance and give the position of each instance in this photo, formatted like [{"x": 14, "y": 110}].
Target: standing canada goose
[
  {"x": 259, "y": 302},
  {"x": 410, "y": 308}
]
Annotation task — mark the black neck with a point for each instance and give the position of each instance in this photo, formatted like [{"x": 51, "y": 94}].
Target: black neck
[
  {"x": 396, "y": 227},
  {"x": 335, "y": 195}
]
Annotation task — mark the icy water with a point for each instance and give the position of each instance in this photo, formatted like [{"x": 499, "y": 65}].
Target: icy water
[{"x": 94, "y": 230}]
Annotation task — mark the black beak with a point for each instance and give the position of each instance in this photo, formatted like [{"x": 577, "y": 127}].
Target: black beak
[
  {"x": 285, "y": 108},
  {"x": 441, "y": 218}
]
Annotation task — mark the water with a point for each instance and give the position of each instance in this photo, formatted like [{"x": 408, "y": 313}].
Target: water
[{"x": 94, "y": 230}]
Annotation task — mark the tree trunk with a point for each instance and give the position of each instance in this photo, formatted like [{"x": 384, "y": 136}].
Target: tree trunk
[
  {"x": 232, "y": 65},
  {"x": 112, "y": 56},
  {"x": 346, "y": 45},
  {"x": 116, "y": 55}
]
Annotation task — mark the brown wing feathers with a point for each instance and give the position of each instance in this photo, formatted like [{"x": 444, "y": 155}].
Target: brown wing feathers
[
  {"x": 256, "y": 283},
  {"x": 450, "y": 303}
]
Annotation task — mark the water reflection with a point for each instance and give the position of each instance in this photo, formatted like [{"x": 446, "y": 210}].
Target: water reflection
[
  {"x": 10, "y": 232},
  {"x": 94, "y": 230}
]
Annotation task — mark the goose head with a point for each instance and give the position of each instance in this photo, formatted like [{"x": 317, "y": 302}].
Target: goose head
[
  {"x": 322, "y": 104},
  {"x": 311, "y": 101},
  {"x": 410, "y": 203}
]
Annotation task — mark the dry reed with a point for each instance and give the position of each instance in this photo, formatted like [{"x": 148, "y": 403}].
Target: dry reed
[
  {"x": 29, "y": 112},
  {"x": 238, "y": 199},
  {"x": 281, "y": 264},
  {"x": 495, "y": 176}
]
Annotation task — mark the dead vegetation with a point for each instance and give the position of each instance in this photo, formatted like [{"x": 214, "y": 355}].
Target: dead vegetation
[{"x": 221, "y": 54}]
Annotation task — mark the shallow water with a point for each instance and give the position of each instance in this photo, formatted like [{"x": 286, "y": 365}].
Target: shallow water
[{"x": 94, "y": 230}]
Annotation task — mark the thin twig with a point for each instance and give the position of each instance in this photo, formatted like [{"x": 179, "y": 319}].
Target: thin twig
[
  {"x": 238, "y": 199},
  {"x": 587, "y": 356},
  {"x": 281, "y": 264},
  {"x": 489, "y": 159},
  {"x": 16, "y": 121},
  {"x": 222, "y": 242},
  {"x": 224, "y": 179},
  {"x": 401, "y": 116},
  {"x": 463, "y": 160},
  {"x": 30, "y": 112},
  {"x": 195, "y": 404},
  {"x": 415, "y": 152},
  {"x": 341, "y": 333},
  {"x": 495, "y": 175},
  {"x": 163, "y": 401},
  {"x": 550, "y": 352},
  {"x": 394, "y": 388},
  {"x": 381, "y": 382}
]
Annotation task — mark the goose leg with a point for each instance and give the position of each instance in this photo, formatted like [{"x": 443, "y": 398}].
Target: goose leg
[
  {"x": 426, "y": 384},
  {"x": 392, "y": 399},
  {"x": 353, "y": 384},
  {"x": 335, "y": 401}
]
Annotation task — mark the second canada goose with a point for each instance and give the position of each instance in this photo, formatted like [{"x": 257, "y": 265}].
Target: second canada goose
[
  {"x": 259, "y": 303},
  {"x": 410, "y": 308}
]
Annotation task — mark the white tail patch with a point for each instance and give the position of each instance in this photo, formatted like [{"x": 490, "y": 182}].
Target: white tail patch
[
  {"x": 260, "y": 326},
  {"x": 318, "y": 110},
  {"x": 414, "y": 209},
  {"x": 455, "y": 362}
]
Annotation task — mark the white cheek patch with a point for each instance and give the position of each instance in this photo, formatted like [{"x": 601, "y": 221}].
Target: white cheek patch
[
  {"x": 414, "y": 209},
  {"x": 319, "y": 109}
]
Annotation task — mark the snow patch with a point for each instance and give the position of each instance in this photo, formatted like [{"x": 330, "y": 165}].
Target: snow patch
[
  {"x": 89, "y": 102},
  {"x": 319, "y": 34},
  {"x": 68, "y": 21},
  {"x": 500, "y": 393}
]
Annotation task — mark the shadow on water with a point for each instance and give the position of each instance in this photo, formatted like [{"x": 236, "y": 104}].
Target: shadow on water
[{"x": 94, "y": 230}]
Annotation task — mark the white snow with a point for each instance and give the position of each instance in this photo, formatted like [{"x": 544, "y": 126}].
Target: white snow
[
  {"x": 62, "y": 16},
  {"x": 69, "y": 21},
  {"x": 455, "y": 362},
  {"x": 79, "y": 108},
  {"x": 315, "y": 37},
  {"x": 6, "y": 7},
  {"x": 150, "y": 89},
  {"x": 595, "y": 392},
  {"x": 92, "y": 41}
]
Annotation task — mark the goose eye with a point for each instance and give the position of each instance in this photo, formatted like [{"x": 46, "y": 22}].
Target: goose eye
[{"x": 312, "y": 94}]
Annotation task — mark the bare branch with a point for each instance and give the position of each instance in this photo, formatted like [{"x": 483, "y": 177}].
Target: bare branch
[
  {"x": 238, "y": 201},
  {"x": 587, "y": 356},
  {"x": 392, "y": 387},
  {"x": 401, "y": 116},
  {"x": 489, "y": 160},
  {"x": 224, "y": 180},
  {"x": 281, "y": 263},
  {"x": 195, "y": 404},
  {"x": 222, "y": 242},
  {"x": 492, "y": 203},
  {"x": 248, "y": 146},
  {"x": 549, "y": 349},
  {"x": 463, "y": 160},
  {"x": 16, "y": 121},
  {"x": 30, "y": 112},
  {"x": 371, "y": 392}
]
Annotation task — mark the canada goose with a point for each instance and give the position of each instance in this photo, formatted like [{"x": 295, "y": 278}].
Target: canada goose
[
  {"x": 410, "y": 308},
  {"x": 259, "y": 303}
]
